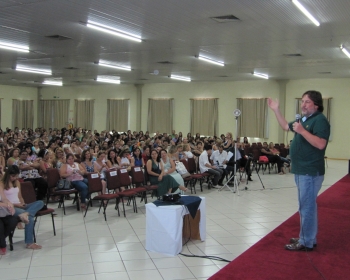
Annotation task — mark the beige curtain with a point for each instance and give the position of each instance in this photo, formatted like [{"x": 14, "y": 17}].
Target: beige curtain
[
  {"x": 253, "y": 121},
  {"x": 118, "y": 114},
  {"x": 54, "y": 113},
  {"x": 160, "y": 115},
  {"x": 23, "y": 113},
  {"x": 84, "y": 113},
  {"x": 204, "y": 116},
  {"x": 327, "y": 104}
]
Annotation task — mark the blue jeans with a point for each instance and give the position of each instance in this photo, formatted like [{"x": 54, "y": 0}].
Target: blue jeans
[
  {"x": 308, "y": 188},
  {"x": 82, "y": 187},
  {"x": 31, "y": 208}
]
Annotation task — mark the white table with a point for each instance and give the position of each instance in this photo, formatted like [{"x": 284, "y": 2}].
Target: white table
[{"x": 164, "y": 227}]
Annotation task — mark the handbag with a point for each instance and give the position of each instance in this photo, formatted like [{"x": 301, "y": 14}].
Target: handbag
[
  {"x": 263, "y": 159},
  {"x": 4, "y": 211},
  {"x": 181, "y": 169},
  {"x": 63, "y": 185}
]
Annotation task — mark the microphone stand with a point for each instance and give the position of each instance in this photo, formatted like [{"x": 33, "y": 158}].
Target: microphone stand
[{"x": 235, "y": 188}]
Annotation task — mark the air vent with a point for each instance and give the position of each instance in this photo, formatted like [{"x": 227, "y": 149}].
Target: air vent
[
  {"x": 143, "y": 79},
  {"x": 223, "y": 76},
  {"x": 223, "y": 19},
  {"x": 71, "y": 68},
  {"x": 58, "y": 37},
  {"x": 325, "y": 72},
  {"x": 292, "y": 55},
  {"x": 165, "y": 62}
]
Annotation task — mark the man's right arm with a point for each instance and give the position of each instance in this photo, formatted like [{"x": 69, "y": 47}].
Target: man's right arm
[{"x": 274, "y": 106}]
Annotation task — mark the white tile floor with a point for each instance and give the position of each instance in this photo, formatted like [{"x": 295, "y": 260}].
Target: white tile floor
[{"x": 91, "y": 248}]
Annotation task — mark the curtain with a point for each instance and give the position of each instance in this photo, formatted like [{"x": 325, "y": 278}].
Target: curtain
[
  {"x": 84, "y": 113},
  {"x": 160, "y": 115},
  {"x": 204, "y": 116},
  {"x": 54, "y": 113},
  {"x": 23, "y": 113},
  {"x": 118, "y": 114},
  {"x": 253, "y": 121}
]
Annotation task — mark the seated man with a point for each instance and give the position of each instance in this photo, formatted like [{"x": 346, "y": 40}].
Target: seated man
[
  {"x": 205, "y": 166},
  {"x": 29, "y": 171},
  {"x": 218, "y": 158}
]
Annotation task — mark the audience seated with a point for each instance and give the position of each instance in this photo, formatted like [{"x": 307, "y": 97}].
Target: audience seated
[{"x": 272, "y": 158}]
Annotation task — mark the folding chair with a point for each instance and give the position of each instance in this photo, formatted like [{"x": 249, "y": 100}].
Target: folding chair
[
  {"x": 29, "y": 196},
  {"x": 190, "y": 179},
  {"x": 53, "y": 176},
  {"x": 95, "y": 186},
  {"x": 113, "y": 183},
  {"x": 192, "y": 169},
  {"x": 127, "y": 183},
  {"x": 138, "y": 179}
]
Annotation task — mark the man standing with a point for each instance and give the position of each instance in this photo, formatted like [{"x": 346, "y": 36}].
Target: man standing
[
  {"x": 307, "y": 154},
  {"x": 205, "y": 166}
]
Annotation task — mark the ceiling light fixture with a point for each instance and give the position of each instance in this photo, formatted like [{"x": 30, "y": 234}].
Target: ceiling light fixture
[
  {"x": 108, "y": 79},
  {"x": 33, "y": 70},
  {"x": 264, "y": 76},
  {"x": 305, "y": 12},
  {"x": 181, "y": 78},
  {"x": 121, "y": 67},
  {"x": 53, "y": 82},
  {"x": 113, "y": 31},
  {"x": 207, "y": 59},
  {"x": 13, "y": 47},
  {"x": 345, "y": 51}
]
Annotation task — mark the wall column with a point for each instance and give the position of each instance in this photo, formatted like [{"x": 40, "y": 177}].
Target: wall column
[
  {"x": 282, "y": 100},
  {"x": 39, "y": 97},
  {"x": 138, "y": 105}
]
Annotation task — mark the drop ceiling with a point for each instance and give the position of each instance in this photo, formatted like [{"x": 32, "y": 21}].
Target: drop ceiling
[{"x": 269, "y": 37}]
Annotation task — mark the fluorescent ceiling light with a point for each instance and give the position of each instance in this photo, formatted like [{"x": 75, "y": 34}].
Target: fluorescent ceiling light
[
  {"x": 13, "y": 47},
  {"x": 108, "y": 79},
  {"x": 33, "y": 70},
  {"x": 264, "y": 76},
  {"x": 207, "y": 59},
  {"x": 181, "y": 78},
  {"x": 345, "y": 51},
  {"x": 305, "y": 12},
  {"x": 106, "y": 64},
  {"x": 113, "y": 31},
  {"x": 53, "y": 82}
]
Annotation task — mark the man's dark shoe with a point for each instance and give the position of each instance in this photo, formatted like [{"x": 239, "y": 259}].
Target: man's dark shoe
[
  {"x": 250, "y": 178},
  {"x": 296, "y": 240},
  {"x": 297, "y": 247}
]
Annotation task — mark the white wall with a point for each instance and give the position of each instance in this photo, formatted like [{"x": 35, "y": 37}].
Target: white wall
[{"x": 7, "y": 93}]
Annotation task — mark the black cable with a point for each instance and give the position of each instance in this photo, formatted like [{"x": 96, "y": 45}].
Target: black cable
[{"x": 196, "y": 256}]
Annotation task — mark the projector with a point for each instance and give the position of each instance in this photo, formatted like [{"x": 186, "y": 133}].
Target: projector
[{"x": 171, "y": 197}]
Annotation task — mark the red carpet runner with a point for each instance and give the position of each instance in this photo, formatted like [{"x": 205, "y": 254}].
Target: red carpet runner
[{"x": 268, "y": 259}]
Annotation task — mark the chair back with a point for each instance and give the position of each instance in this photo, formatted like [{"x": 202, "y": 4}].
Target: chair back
[
  {"x": 137, "y": 175},
  {"x": 185, "y": 163},
  {"x": 191, "y": 166},
  {"x": 94, "y": 182},
  {"x": 124, "y": 177},
  {"x": 53, "y": 176},
  {"x": 256, "y": 154},
  {"x": 112, "y": 178},
  {"x": 28, "y": 192}
]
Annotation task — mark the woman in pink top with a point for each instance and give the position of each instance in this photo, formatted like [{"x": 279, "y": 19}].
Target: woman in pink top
[{"x": 73, "y": 172}]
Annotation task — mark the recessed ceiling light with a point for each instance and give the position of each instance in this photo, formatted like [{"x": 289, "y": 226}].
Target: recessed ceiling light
[
  {"x": 113, "y": 31},
  {"x": 55, "y": 82},
  {"x": 345, "y": 51},
  {"x": 210, "y": 60},
  {"x": 33, "y": 70},
  {"x": 260, "y": 75},
  {"x": 108, "y": 79},
  {"x": 14, "y": 47},
  {"x": 116, "y": 66},
  {"x": 181, "y": 78},
  {"x": 305, "y": 12}
]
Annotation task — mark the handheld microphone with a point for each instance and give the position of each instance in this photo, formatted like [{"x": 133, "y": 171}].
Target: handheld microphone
[{"x": 297, "y": 118}]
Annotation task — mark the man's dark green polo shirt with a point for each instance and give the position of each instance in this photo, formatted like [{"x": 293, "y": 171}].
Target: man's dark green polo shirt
[{"x": 307, "y": 159}]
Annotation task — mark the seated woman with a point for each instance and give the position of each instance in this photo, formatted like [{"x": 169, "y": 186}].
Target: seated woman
[
  {"x": 277, "y": 153},
  {"x": 125, "y": 160},
  {"x": 138, "y": 157},
  {"x": 112, "y": 162},
  {"x": 45, "y": 162},
  {"x": 73, "y": 172},
  {"x": 173, "y": 153},
  {"x": 13, "y": 156},
  {"x": 155, "y": 170},
  {"x": 187, "y": 151},
  {"x": 273, "y": 158},
  {"x": 99, "y": 165},
  {"x": 12, "y": 190},
  {"x": 170, "y": 168},
  {"x": 198, "y": 149},
  {"x": 60, "y": 158}
]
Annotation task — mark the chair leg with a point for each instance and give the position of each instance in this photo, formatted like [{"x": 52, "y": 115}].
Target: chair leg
[
  {"x": 53, "y": 224},
  {"x": 117, "y": 201},
  {"x": 87, "y": 207}
]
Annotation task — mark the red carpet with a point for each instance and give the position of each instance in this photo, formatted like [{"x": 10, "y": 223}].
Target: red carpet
[{"x": 268, "y": 259}]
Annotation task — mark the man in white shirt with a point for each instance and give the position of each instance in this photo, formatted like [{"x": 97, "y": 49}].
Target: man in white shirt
[
  {"x": 205, "y": 166},
  {"x": 218, "y": 158}
]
